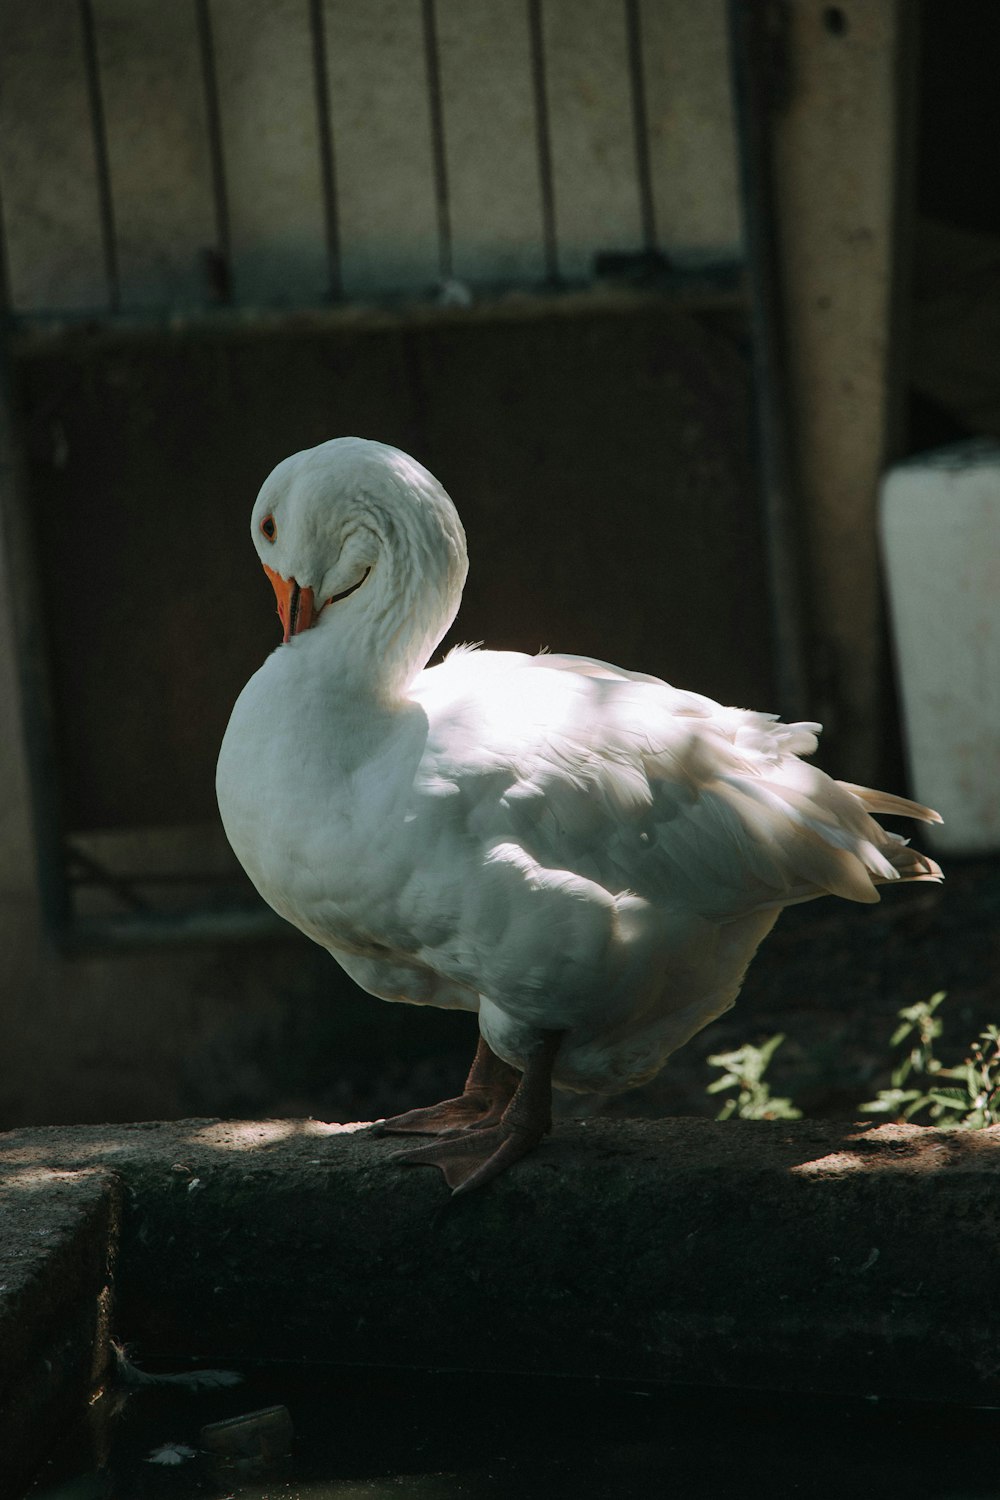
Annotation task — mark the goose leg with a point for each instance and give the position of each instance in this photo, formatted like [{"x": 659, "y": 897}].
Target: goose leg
[
  {"x": 488, "y": 1090},
  {"x": 476, "y": 1156}
]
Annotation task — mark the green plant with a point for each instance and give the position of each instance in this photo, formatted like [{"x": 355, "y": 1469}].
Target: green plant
[
  {"x": 973, "y": 1100},
  {"x": 744, "y": 1071}
]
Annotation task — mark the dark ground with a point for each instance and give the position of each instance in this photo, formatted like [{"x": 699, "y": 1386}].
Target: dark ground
[{"x": 831, "y": 977}]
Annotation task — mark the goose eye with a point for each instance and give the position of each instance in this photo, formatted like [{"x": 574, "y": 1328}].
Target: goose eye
[{"x": 269, "y": 528}]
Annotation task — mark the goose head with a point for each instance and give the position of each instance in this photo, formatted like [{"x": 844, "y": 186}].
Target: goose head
[{"x": 365, "y": 550}]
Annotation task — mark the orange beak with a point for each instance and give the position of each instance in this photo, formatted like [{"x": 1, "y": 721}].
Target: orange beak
[{"x": 296, "y": 606}]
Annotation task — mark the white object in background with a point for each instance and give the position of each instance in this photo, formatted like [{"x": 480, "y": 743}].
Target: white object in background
[{"x": 940, "y": 526}]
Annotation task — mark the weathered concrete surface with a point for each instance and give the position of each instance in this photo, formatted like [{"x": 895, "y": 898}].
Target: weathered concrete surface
[
  {"x": 57, "y": 1234},
  {"x": 813, "y": 1257}
]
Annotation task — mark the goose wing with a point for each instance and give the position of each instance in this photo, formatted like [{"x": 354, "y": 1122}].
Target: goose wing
[{"x": 645, "y": 788}]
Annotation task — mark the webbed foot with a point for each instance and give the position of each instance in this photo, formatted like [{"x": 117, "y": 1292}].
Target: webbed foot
[
  {"x": 488, "y": 1090},
  {"x": 474, "y": 1158},
  {"x": 478, "y": 1154}
]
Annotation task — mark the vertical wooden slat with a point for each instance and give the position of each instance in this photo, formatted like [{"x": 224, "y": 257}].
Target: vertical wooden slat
[
  {"x": 432, "y": 70},
  {"x": 596, "y": 187},
  {"x": 692, "y": 139},
  {"x": 380, "y": 122},
  {"x": 491, "y": 140},
  {"x": 28, "y": 759},
  {"x": 99, "y": 138},
  {"x": 543, "y": 139},
  {"x": 52, "y": 218},
  {"x": 219, "y": 261},
  {"x": 640, "y": 120},
  {"x": 271, "y": 150},
  {"x": 778, "y": 485},
  {"x": 837, "y": 186},
  {"x": 158, "y": 156},
  {"x": 328, "y": 171}
]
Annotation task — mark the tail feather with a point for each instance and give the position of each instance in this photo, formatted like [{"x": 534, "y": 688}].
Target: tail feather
[
  {"x": 886, "y": 802},
  {"x": 909, "y": 863},
  {"x": 906, "y": 862}
]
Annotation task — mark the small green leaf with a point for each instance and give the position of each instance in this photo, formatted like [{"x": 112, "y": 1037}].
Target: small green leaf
[{"x": 719, "y": 1084}]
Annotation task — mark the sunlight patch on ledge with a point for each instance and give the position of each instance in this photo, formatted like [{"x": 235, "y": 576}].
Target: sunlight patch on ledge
[
  {"x": 45, "y": 1177},
  {"x": 833, "y": 1165},
  {"x": 250, "y": 1135}
]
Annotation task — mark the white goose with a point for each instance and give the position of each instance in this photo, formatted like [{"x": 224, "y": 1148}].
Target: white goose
[{"x": 585, "y": 856}]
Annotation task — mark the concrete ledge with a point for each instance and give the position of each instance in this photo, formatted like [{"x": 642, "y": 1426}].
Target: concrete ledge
[
  {"x": 804, "y": 1256},
  {"x": 57, "y": 1235}
]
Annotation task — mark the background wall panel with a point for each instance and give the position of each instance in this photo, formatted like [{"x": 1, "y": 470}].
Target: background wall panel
[
  {"x": 48, "y": 175},
  {"x": 158, "y": 155},
  {"x": 595, "y": 178},
  {"x": 271, "y": 149},
  {"x": 691, "y": 130},
  {"x": 491, "y": 140},
  {"x": 383, "y": 158}
]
